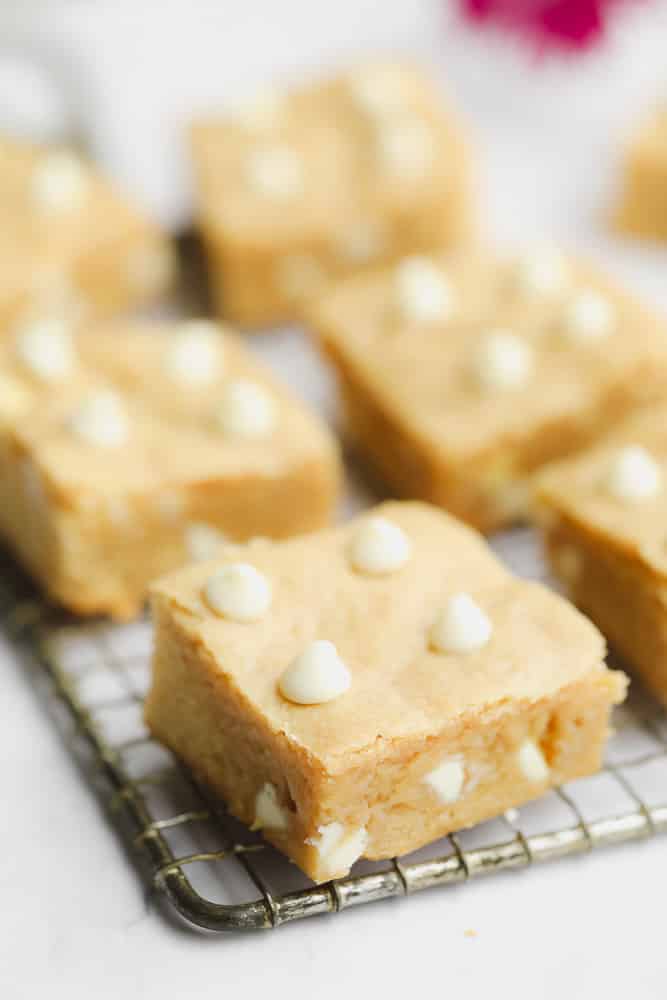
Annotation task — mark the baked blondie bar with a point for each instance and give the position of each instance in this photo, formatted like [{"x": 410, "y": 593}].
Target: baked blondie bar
[
  {"x": 72, "y": 245},
  {"x": 604, "y": 518},
  {"x": 297, "y": 188},
  {"x": 362, "y": 691},
  {"x": 460, "y": 375},
  {"x": 127, "y": 450}
]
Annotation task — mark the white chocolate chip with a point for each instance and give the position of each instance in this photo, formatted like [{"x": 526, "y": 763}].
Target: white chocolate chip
[
  {"x": 532, "y": 764},
  {"x": 378, "y": 546},
  {"x": 245, "y": 410},
  {"x": 462, "y": 627},
  {"x": 299, "y": 276},
  {"x": 238, "y": 592},
  {"x": 542, "y": 272},
  {"x": 503, "y": 361},
  {"x": 337, "y": 849},
  {"x": 150, "y": 269},
  {"x": 100, "y": 420},
  {"x": 194, "y": 356},
  {"x": 275, "y": 172},
  {"x": 407, "y": 147},
  {"x": 588, "y": 318},
  {"x": 634, "y": 475},
  {"x": 423, "y": 293},
  {"x": 60, "y": 182},
  {"x": 361, "y": 243},
  {"x": 45, "y": 348},
  {"x": 269, "y": 814},
  {"x": 447, "y": 779},
  {"x": 327, "y": 837},
  {"x": 316, "y": 676},
  {"x": 203, "y": 541}
]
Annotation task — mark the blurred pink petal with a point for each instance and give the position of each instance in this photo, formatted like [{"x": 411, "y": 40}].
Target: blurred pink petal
[{"x": 565, "y": 24}]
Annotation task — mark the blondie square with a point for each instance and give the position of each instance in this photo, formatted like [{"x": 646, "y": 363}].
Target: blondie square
[
  {"x": 461, "y": 375},
  {"x": 71, "y": 245},
  {"x": 127, "y": 451},
  {"x": 365, "y": 690},
  {"x": 642, "y": 207},
  {"x": 297, "y": 188},
  {"x": 604, "y": 517}
]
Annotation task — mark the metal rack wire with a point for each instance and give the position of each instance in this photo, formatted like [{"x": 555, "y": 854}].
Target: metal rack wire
[{"x": 219, "y": 875}]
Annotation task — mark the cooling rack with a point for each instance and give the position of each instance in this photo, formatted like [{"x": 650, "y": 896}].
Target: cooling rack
[{"x": 220, "y": 876}]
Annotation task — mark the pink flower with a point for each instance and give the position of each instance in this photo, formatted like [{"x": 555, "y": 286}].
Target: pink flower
[{"x": 565, "y": 24}]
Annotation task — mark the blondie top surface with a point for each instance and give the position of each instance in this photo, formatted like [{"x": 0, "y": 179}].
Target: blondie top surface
[
  {"x": 55, "y": 206},
  {"x": 298, "y": 163},
  {"x": 617, "y": 491},
  {"x": 472, "y": 352},
  {"x": 522, "y": 642},
  {"x": 132, "y": 408}
]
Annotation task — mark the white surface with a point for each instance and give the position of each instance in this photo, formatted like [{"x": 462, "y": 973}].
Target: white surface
[
  {"x": 74, "y": 922},
  {"x": 126, "y": 78}
]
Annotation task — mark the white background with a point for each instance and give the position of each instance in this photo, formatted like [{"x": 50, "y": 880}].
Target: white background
[{"x": 74, "y": 921}]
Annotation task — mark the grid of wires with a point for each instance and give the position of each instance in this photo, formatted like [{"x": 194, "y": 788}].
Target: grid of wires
[{"x": 221, "y": 876}]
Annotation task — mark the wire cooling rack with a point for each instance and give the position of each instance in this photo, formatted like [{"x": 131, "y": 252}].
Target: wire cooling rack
[{"x": 218, "y": 874}]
